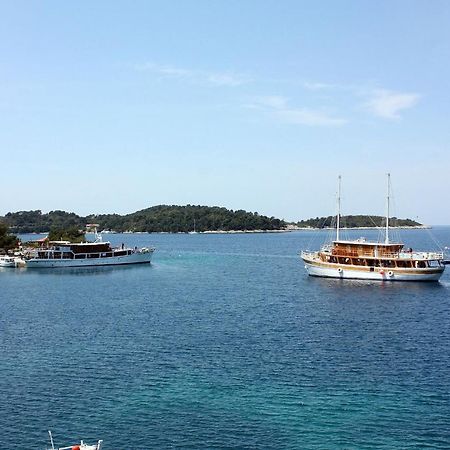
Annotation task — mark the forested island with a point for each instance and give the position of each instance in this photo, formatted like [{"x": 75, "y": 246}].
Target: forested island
[
  {"x": 177, "y": 219},
  {"x": 360, "y": 221},
  {"x": 162, "y": 218}
]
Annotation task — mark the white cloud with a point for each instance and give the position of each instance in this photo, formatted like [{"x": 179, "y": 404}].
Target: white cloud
[
  {"x": 172, "y": 71},
  {"x": 278, "y": 106},
  {"x": 314, "y": 86},
  {"x": 224, "y": 79},
  {"x": 196, "y": 76},
  {"x": 305, "y": 116},
  {"x": 388, "y": 104},
  {"x": 272, "y": 101}
]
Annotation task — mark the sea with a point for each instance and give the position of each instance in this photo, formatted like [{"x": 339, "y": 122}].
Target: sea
[{"x": 224, "y": 342}]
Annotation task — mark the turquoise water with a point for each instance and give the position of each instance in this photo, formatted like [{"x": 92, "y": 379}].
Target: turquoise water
[{"x": 224, "y": 342}]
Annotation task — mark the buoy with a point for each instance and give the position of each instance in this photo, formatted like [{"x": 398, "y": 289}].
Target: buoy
[
  {"x": 381, "y": 272},
  {"x": 340, "y": 270},
  {"x": 76, "y": 447},
  {"x": 390, "y": 273}
]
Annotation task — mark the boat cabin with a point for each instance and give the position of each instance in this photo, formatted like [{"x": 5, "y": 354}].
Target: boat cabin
[
  {"x": 361, "y": 248},
  {"x": 84, "y": 250}
]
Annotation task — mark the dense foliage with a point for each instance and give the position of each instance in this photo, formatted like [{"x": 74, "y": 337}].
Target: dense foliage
[
  {"x": 182, "y": 218},
  {"x": 71, "y": 234},
  {"x": 36, "y": 222},
  {"x": 357, "y": 222},
  {"x": 162, "y": 218},
  {"x": 171, "y": 218},
  {"x": 7, "y": 241}
]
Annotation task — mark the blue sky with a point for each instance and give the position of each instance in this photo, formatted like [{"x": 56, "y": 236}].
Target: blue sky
[{"x": 260, "y": 105}]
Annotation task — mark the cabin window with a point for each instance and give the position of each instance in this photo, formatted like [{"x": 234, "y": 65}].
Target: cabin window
[
  {"x": 388, "y": 263},
  {"x": 404, "y": 264},
  {"x": 358, "y": 262}
]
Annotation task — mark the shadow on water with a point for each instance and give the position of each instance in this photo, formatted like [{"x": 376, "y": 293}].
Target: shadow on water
[
  {"x": 393, "y": 287},
  {"x": 91, "y": 270}
]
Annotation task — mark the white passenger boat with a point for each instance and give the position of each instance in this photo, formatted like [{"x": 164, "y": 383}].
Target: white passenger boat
[
  {"x": 86, "y": 254},
  {"x": 361, "y": 259},
  {"x": 7, "y": 261},
  {"x": 81, "y": 446}
]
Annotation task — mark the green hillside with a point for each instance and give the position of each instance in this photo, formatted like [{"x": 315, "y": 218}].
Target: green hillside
[
  {"x": 162, "y": 218},
  {"x": 357, "y": 222},
  {"x": 179, "y": 219}
]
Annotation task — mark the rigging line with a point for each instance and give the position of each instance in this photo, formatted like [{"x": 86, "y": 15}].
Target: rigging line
[
  {"x": 316, "y": 233},
  {"x": 373, "y": 221},
  {"x": 435, "y": 240},
  {"x": 379, "y": 228},
  {"x": 396, "y": 234},
  {"x": 399, "y": 230},
  {"x": 332, "y": 229}
]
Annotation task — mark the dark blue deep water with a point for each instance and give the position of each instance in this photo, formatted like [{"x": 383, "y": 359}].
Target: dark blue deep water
[{"x": 224, "y": 342}]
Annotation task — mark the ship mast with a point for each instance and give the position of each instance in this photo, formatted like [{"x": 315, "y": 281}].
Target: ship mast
[
  {"x": 386, "y": 240},
  {"x": 338, "y": 212}
]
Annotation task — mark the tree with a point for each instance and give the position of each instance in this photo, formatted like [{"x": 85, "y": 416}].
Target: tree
[
  {"x": 71, "y": 234},
  {"x": 7, "y": 240}
]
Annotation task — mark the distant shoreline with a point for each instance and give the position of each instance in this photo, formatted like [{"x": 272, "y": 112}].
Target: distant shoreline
[
  {"x": 177, "y": 219},
  {"x": 405, "y": 227},
  {"x": 286, "y": 230}
]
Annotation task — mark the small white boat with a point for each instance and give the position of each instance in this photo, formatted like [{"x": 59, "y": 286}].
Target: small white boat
[
  {"x": 81, "y": 446},
  {"x": 7, "y": 261}
]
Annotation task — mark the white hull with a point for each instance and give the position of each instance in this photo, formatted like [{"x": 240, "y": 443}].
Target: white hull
[
  {"x": 7, "y": 264},
  {"x": 9, "y": 261},
  {"x": 134, "y": 258},
  {"x": 342, "y": 272}
]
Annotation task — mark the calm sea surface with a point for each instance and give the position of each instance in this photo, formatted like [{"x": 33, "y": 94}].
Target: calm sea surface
[{"x": 224, "y": 342}]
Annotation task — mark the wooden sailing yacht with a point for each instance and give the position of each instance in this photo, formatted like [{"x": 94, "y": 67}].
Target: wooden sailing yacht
[{"x": 361, "y": 259}]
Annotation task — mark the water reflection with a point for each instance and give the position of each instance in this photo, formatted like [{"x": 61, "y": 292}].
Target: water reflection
[
  {"x": 391, "y": 286},
  {"x": 87, "y": 271}
]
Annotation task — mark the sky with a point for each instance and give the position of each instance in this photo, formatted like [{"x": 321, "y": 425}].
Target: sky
[{"x": 114, "y": 106}]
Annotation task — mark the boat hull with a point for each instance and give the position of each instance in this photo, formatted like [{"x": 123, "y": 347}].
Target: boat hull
[
  {"x": 7, "y": 264},
  {"x": 364, "y": 273},
  {"x": 134, "y": 258}
]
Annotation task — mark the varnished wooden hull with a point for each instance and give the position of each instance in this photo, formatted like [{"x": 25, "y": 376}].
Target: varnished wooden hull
[{"x": 343, "y": 271}]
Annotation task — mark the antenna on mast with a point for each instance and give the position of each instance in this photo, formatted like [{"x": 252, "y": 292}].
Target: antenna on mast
[
  {"x": 386, "y": 240},
  {"x": 338, "y": 213}
]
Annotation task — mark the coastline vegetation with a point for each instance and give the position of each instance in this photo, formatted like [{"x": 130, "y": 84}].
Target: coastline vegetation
[
  {"x": 71, "y": 234},
  {"x": 7, "y": 240},
  {"x": 176, "y": 219},
  {"x": 162, "y": 218},
  {"x": 359, "y": 221}
]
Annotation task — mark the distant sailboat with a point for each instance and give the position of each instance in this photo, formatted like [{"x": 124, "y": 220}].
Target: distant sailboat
[{"x": 194, "y": 231}]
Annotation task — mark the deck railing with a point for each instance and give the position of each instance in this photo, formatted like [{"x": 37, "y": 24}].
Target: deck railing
[{"x": 425, "y": 256}]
